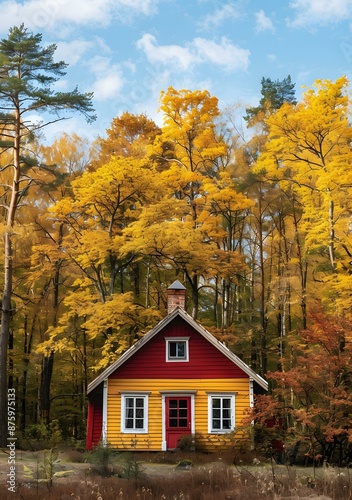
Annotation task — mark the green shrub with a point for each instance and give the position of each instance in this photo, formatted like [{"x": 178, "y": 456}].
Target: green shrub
[
  {"x": 102, "y": 458},
  {"x": 131, "y": 468}
]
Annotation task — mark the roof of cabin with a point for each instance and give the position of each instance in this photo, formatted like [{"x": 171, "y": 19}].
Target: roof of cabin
[
  {"x": 162, "y": 324},
  {"x": 176, "y": 285}
]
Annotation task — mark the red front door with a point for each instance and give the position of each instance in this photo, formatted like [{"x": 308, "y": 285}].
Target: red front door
[{"x": 178, "y": 419}]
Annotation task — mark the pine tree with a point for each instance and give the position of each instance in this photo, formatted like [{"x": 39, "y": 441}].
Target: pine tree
[
  {"x": 27, "y": 75},
  {"x": 275, "y": 93}
]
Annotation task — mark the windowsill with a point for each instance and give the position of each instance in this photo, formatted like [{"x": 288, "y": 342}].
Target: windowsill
[
  {"x": 177, "y": 360},
  {"x": 222, "y": 432},
  {"x": 134, "y": 431}
]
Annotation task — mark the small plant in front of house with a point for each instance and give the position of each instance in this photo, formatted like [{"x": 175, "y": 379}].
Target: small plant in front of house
[
  {"x": 186, "y": 443},
  {"x": 102, "y": 459},
  {"x": 47, "y": 469},
  {"x": 131, "y": 468},
  {"x": 185, "y": 464}
]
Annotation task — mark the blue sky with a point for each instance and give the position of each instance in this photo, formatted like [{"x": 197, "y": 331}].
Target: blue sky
[{"x": 127, "y": 51}]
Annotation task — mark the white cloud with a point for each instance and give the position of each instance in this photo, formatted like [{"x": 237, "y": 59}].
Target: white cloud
[
  {"x": 102, "y": 45},
  {"x": 199, "y": 51},
  {"x": 109, "y": 80},
  {"x": 317, "y": 12},
  {"x": 216, "y": 18},
  {"x": 263, "y": 23},
  {"x": 62, "y": 85},
  {"x": 49, "y": 14},
  {"x": 72, "y": 52},
  {"x": 164, "y": 54},
  {"x": 107, "y": 86},
  {"x": 72, "y": 125},
  {"x": 225, "y": 54},
  {"x": 146, "y": 7}
]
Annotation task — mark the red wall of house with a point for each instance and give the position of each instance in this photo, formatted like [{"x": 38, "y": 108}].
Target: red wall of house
[
  {"x": 205, "y": 361},
  {"x": 94, "y": 422}
]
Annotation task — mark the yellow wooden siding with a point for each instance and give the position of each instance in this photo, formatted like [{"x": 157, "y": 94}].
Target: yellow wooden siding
[{"x": 153, "y": 440}]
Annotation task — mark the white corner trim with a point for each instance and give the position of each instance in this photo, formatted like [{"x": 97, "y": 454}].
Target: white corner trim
[
  {"x": 104, "y": 432},
  {"x": 163, "y": 423},
  {"x": 251, "y": 393}
]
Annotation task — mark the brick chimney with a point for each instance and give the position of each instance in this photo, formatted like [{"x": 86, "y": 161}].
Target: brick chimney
[{"x": 176, "y": 296}]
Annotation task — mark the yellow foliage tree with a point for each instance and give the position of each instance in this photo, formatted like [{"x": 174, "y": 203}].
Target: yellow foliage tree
[
  {"x": 308, "y": 154},
  {"x": 104, "y": 202},
  {"x": 185, "y": 227},
  {"x": 129, "y": 135}
]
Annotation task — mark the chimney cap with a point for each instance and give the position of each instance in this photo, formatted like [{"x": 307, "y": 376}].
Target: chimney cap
[{"x": 176, "y": 285}]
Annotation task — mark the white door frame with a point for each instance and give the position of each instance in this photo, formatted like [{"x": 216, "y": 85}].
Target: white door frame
[{"x": 176, "y": 394}]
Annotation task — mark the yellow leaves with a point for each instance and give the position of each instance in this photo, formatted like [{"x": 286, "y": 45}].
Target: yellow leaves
[
  {"x": 117, "y": 312},
  {"x": 4, "y": 228},
  {"x": 184, "y": 225},
  {"x": 186, "y": 246},
  {"x": 111, "y": 185},
  {"x": 108, "y": 192},
  {"x": 307, "y": 136},
  {"x": 309, "y": 152},
  {"x": 340, "y": 287},
  {"x": 68, "y": 153},
  {"x": 198, "y": 107},
  {"x": 308, "y": 155},
  {"x": 178, "y": 177},
  {"x": 207, "y": 146},
  {"x": 189, "y": 125},
  {"x": 114, "y": 325},
  {"x": 93, "y": 248},
  {"x": 222, "y": 196},
  {"x": 62, "y": 208},
  {"x": 81, "y": 302},
  {"x": 128, "y": 136}
]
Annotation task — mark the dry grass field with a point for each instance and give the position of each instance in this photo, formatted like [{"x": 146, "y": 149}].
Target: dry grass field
[{"x": 168, "y": 476}]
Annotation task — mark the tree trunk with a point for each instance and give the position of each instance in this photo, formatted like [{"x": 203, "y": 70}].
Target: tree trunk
[
  {"x": 27, "y": 349},
  {"x": 195, "y": 296},
  {"x": 263, "y": 319},
  {"x": 47, "y": 371},
  {"x": 4, "y": 339},
  {"x": 226, "y": 301},
  {"x": 48, "y": 361},
  {"x": 303, "y": 269},
  {"x": 6, "y": 309}
]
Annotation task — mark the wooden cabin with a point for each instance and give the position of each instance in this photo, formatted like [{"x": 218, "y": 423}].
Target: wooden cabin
[{"x": 178, "y": 381}]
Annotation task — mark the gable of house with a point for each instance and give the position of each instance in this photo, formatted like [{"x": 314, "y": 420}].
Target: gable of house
[{"x": 204, "y": 360}]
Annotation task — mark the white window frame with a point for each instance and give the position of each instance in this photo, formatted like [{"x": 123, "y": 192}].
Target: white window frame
[
  {"x": 222, "y": 396},
  {"x": 170, "y": 340},
  {"x": 134, "y": 395}
]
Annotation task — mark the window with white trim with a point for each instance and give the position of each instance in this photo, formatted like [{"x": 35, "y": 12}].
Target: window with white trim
[
  {"x": 221, "y": 412},
  {"x": 177, "y": 349},
  {"x": 134, "y": 413}
]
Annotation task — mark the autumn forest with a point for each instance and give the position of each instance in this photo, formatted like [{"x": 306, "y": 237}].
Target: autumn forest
[{"x": 255, "y": 220}]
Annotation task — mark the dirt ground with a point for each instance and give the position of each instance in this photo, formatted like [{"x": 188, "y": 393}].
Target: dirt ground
[{"x": 28, "y": 466}]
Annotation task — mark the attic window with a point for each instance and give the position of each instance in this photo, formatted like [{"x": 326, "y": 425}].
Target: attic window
[{"x": 177, "y": 349}]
